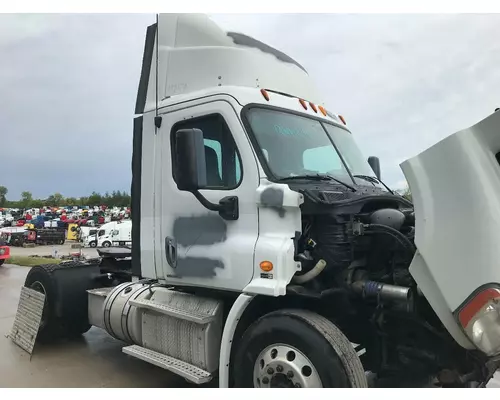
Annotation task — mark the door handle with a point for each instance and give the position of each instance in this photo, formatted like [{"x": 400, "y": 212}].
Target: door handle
[{"x": 171, "y": 251}]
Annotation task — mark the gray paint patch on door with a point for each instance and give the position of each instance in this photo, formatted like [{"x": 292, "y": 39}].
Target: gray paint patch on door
[
  {"x": 197, "y": 267},
  {"x": 200, "y": 230}
]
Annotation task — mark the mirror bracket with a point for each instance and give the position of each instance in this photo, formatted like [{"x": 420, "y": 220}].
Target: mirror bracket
[
  {"x": 158, "y": 120},
  {"x": 227, "y": 207}
]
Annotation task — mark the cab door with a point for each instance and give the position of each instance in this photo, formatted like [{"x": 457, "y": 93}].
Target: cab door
[{"x": 197, "y": 246}]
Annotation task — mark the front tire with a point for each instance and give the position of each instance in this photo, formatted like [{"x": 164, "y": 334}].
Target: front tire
[
  {"x": 93, "y": 244},
  {"x": 296, "y": 348},
  {"x": 1, "y": 262}
]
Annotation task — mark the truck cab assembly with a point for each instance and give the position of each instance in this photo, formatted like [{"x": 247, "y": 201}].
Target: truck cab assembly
[{"x": 267, "y": 251}]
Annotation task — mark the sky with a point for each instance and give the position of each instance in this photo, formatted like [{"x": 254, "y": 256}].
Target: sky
[{"x": 68, "y": 85}]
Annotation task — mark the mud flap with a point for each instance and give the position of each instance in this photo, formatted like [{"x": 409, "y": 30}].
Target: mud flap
[{"x": 28, "y": 319}]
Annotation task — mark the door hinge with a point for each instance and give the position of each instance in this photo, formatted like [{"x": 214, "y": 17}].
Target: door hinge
[{"x": 158, "y": 121}]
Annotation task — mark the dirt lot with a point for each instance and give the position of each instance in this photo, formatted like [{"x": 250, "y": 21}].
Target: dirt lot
[{"x": 94, "y": 360}]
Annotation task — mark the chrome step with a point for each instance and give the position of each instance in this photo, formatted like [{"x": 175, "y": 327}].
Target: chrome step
[
  {"x": 193, "y": 316},
  {"x": 178, "y": 367}
]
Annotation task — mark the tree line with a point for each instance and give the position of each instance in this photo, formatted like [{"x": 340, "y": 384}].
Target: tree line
[{"x": 113, "y": 199}]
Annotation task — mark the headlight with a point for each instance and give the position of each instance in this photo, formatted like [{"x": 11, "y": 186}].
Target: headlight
[
  {"x": 2, "y": 252},
  {"x": 480, "y": 318}
]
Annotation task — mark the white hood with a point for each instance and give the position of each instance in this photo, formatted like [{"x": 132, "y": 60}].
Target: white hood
[{"x": 455, "y": 186}]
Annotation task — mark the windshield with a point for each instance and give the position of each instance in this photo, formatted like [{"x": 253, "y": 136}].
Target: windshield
[{"x": 293, "y": 145}]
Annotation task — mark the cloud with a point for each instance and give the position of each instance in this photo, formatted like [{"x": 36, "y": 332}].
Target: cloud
[{"x": 68, "y": 85}]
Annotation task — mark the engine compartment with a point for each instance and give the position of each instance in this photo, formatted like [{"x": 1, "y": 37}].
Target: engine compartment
[
  {"x": 355, "y": 250},
  {"x": 367, "y": 237}
]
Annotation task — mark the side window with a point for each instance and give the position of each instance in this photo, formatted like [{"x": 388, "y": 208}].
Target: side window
[
  {"x": 237, "y": 166},
  {"x": 221, "y": 155},
  {"x": 216, "y": 146}
]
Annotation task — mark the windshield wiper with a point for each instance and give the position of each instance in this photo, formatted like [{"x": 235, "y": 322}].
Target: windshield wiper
[
  {"x": 318, "y": 177},
  {"x": 372, "y": 179}
]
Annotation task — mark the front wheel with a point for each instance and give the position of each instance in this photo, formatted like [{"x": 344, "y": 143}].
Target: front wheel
[
  {"x": 93, "y": 244},
  {"x": 1, "y": 262},
  {"x": 296, "y": 349}
]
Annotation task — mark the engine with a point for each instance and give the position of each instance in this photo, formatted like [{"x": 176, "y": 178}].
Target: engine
[{"x": 364, "y": 245}]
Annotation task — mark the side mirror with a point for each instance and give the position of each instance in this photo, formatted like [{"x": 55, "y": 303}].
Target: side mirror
[
  {"x": 375, "y": 164},
  {"x": 191, "y": 172}
]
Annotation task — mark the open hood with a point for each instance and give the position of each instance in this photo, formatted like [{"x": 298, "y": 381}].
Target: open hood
[
  {"x": 186, "y": 53},
  {"x": 455, "y": 186}
]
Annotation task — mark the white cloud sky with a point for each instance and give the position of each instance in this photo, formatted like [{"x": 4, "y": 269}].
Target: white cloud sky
[{"x": 68, "y": 85}]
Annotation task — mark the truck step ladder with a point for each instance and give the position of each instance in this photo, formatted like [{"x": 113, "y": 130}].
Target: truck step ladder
[
  {"x": 193, "y": 316},
  {"x": 181, "y": 368}
]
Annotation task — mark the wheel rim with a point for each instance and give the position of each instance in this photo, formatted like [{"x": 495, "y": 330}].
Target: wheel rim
[
  {"x": 38, "y": 287},
  {"x": 284, "y": 366}
]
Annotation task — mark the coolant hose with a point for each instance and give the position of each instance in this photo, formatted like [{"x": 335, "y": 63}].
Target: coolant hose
[{"x": 313, "y": 273}]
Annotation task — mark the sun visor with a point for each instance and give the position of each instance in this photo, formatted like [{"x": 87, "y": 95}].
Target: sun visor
[{"x": 194, "y": 53}]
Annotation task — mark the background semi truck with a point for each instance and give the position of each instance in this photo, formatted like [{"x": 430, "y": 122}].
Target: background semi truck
[
  {"x": 267, "y": 251},
  {"x": 120, "y": 234}
]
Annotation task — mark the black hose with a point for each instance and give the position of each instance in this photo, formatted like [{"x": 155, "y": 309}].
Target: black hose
[{"x": 400, "y": 237}]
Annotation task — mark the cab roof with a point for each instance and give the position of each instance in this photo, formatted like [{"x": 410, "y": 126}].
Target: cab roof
[{"x": 188, "y": 53}]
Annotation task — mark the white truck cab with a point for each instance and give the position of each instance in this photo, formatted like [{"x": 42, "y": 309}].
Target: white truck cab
[
  {"x": 116, "y": 234},
  {"x": 86, "y": 234},
  {"x": 267, "y": 250}
]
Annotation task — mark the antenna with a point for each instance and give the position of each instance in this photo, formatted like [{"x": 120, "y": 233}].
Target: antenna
[
  {"x": 156, "y": 69},
  {"x": 157, "y": 118}
]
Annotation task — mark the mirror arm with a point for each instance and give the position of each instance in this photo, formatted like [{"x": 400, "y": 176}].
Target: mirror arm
[
  {"x": 206, "y": 203},
  {"x": 227, "y": 207}
]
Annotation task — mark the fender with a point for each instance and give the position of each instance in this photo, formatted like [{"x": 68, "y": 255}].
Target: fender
[{"x": 233, "y": 318}]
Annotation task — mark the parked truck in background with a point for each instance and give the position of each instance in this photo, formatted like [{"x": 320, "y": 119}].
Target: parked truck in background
[
  {"x": 103, "y": 236},
  {"x": 4, "y": 251},
  {"x": 119, "y": 235},
  {"x": 266, "y": 249}
]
